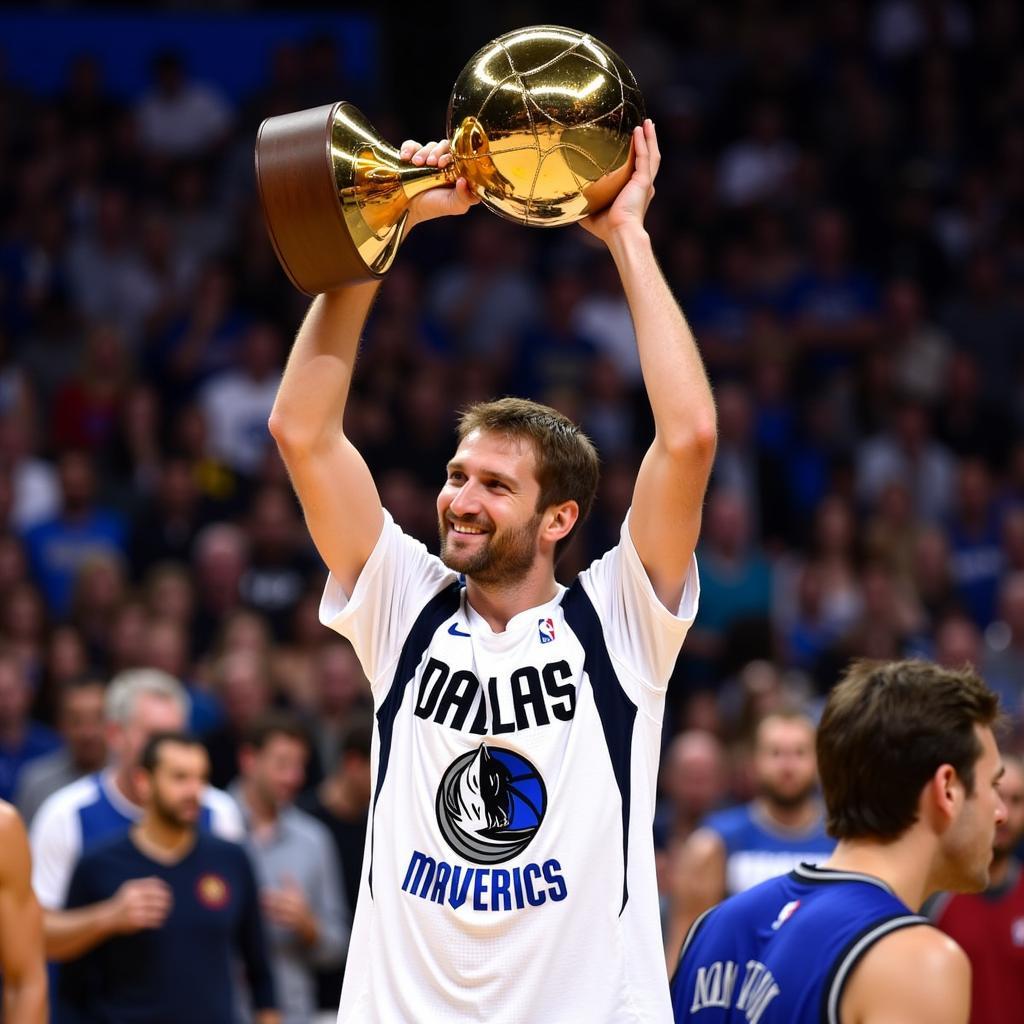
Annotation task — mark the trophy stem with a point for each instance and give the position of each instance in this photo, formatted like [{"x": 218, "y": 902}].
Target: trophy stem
[{"x": 382, "y": 186}]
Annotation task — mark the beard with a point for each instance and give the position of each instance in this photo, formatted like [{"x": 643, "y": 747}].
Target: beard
[
  {"x": 183, "y": 815},
  {"x": 787, "y": 799},
  {"x": 502, "y": 557}
]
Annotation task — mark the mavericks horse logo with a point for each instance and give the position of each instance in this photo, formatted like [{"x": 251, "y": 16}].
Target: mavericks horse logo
[{"x": 490, "y": 804}]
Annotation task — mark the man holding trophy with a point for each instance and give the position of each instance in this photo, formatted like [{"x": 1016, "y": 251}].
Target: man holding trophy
[{"x": 509, "y": 872}]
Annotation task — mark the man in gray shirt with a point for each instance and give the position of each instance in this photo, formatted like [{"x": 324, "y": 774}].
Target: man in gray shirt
[
  {"x": 82, "y": 724},
  {"x": 295, "y": 861}
]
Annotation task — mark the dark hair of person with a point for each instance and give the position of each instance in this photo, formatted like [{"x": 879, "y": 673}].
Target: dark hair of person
[
  {"x": 568, "y": 466},
  {"x": 886, "y": 729},
  {"x": 151, "y": 751},
  {"x": 272, "y": 724},
  {"x": 358, "y": 738}
]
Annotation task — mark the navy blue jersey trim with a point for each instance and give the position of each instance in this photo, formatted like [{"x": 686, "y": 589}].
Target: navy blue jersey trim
[
  {"x": 616, "y": 711},
  {"x": 853, "y": 953},
  {"x": 691, "y": 934},
  {"x": 440, "y": 607}
]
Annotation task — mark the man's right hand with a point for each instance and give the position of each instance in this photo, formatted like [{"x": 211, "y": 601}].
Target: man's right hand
[
  {"x": 141, "y": 903},
  {"x": 443, "y": 201}
]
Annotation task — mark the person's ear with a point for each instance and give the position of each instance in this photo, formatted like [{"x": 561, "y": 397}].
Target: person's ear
[
  {"x": 945, "y": 793},
  {"x": 560, "y": 520}
]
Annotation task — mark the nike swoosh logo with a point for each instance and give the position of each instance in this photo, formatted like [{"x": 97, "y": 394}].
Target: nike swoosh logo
[{"x": 455, "y": 631}]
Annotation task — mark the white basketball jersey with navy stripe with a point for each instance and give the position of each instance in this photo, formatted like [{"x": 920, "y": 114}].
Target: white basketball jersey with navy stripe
[{"x": 509, "y": 870}]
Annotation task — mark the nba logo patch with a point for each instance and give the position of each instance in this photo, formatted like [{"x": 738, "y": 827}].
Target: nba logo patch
[
  {"x": 546, "y": 630},
  {"x": 785, "y": 914}
]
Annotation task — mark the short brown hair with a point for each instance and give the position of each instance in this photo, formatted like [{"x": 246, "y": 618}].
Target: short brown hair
[
  {"x": 886, "y": 729},
  {"x": 272, "y": 724},
  {"x": 568, "y": 466}
]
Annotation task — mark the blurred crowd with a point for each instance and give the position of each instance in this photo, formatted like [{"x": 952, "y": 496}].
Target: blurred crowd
[{"x": 840, "y": 212}]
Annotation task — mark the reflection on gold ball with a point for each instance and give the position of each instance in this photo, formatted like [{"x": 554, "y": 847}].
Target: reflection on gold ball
[{"x": 540, "y": 122}]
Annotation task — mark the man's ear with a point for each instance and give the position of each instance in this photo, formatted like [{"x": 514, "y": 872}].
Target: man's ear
[
  {"x": 560, "y": 519},
  {"x": 944, "y": 795}
]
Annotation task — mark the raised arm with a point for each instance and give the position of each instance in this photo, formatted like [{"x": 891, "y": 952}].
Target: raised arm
[
  {"x": 334, "y": 484},
  {"x": 22, "y": 965},
  {"x": 669, "y": 492}
]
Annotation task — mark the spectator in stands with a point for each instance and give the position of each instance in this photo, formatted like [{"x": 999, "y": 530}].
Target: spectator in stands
[
  {"x": 975, "y": 534},
  {"x": 735, "y": 578},
  {"x": 341, "y": 692},
  {"x": 695, "y": 780},
  {"x": 165, "y": 527},
  {"x": 295, "y": 861},
  {"x": 176, "y": 956},
  {"x": 22, "y": 740},
  {"x": 82, "y": 727},
  {"x": 737, "y": 848},
  {"x": 220, "y": 556},
  {"x": 237, "y": 401},
  {"x": 833, "y": 305},
  {"x": 1003, "y": 660},
  {"x": 242, "y": 685},
  {"x": 180, "y": 117},
  {"x": 342, "y": 803},
  {"x": 280, "y": 566},
  {"x": 907, "y": 451},
  {"x": 104, "y": 806},
  {"x": 88, "y": 406},
  {"x": 58, "y": 548}
]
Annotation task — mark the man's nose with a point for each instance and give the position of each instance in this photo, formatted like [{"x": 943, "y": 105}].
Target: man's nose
[{"x": 465, "y": 500}]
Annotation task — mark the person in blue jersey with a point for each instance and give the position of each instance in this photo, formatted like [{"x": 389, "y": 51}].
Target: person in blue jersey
[
  {"x": 180, "y": 965},
  {"x": 22, "y": 967},
  {"x": 910, "y": 770},
  {"x": 509, "y": 873},
  {"x": 736, "y": 848}
]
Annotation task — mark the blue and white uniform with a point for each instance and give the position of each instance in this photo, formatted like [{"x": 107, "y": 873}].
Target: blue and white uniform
[
  {"x": 782, "y": 952},
  {"x": 91, "y": 809},
  {"x": 757, "y": 849},
  {"x": 509, "y": 867}
]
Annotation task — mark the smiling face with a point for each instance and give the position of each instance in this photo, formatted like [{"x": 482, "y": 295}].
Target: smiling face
[{"x": 487, "y": 510}]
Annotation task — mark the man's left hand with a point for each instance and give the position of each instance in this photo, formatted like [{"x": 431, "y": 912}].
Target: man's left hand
[{"x": 630, "y": 206}]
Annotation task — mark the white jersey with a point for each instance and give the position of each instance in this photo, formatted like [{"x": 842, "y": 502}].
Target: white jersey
[{"x": 509, "y": 868}]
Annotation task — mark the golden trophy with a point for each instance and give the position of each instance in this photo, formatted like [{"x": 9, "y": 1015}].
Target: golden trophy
[{"x": 540, "y": 123}]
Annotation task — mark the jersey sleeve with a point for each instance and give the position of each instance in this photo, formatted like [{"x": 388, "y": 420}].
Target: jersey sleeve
[
  {"x": 399, "y": 578},
  {"x": 56, "y": 841},
  {"x": 639, "y": 630}
]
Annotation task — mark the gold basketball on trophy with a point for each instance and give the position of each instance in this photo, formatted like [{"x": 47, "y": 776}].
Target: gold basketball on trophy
[{"x": 540, "y": 123}]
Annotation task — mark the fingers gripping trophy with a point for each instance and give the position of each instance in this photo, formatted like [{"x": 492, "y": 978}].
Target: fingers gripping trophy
[{"x": 540, "y": 127}]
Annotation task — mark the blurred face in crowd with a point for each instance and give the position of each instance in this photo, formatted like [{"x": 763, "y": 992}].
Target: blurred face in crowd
[
  {"x": 1010, "y": 832},
  {"x": 277, "y": 771},
  {"x": 784, "y": 761},
  {"x": 83, "y": 725},
  {"x": 15, "y": 694},
  {"x": 244, "y": 687},
  {"x": 340, "y": 679},
  {"x": 487, "y": 509},
  {"x": 695, "y": 775},
  {"x": 174, "y": 791},
  {"x": 77, "y": 481},
  {"x": 152, "y": 713}
]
